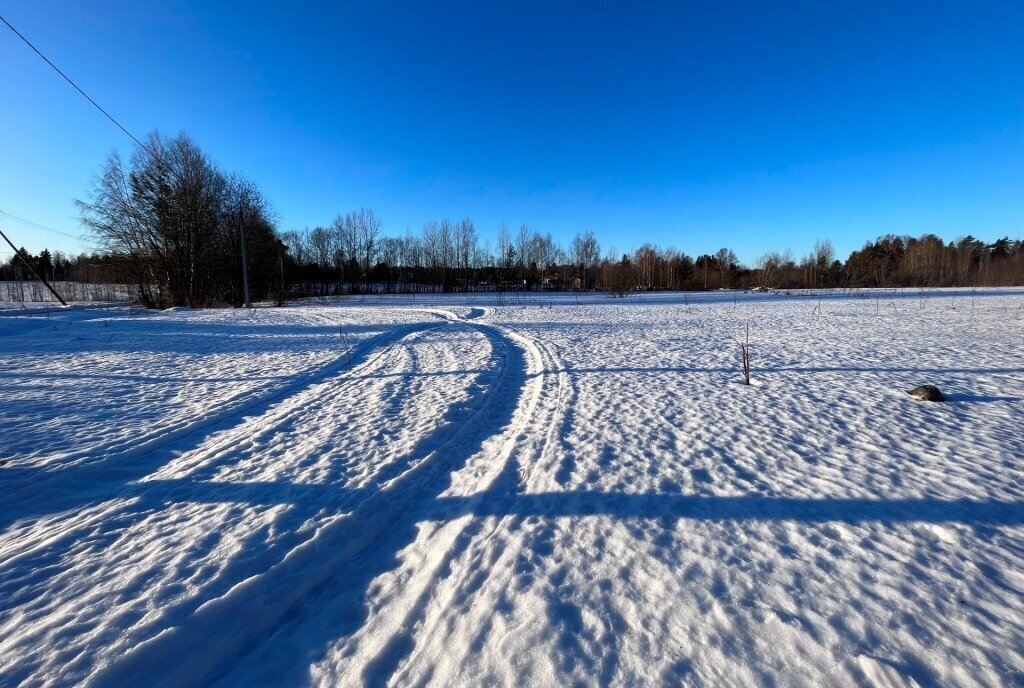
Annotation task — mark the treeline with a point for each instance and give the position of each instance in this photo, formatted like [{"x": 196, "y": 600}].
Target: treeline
[
  {"x": 77, "y": 278},
  {"x": 180, "y": 230},
  {"x": 928, "y": 262},
  {"x": 59, "y": 267},
  {"x": 351, "y": 256}
]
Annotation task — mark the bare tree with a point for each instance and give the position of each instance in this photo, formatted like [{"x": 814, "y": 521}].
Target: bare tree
[
  {"x": 447, "y": 252},
  {"x": 465, "y": 246},
  {"x": 727, "y": 262},
  {"x": 523, "y": 249},
  {"x": 368, "y": 228},
  {"x": 295, "y": 241},
  {"x": 506, "y": 253},
  {"x": 584, "y": 253},
  {"x": 768, "y": 267}
]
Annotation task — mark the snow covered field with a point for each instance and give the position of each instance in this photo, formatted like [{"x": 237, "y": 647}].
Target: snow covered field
[{"x": 453, "y": 491}]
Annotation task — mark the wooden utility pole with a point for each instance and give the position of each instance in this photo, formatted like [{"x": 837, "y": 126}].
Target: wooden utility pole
[
  {"x": 32, "y": 269},
  {"x": 245, "y": 260},
  {"x": 280, "y": 265}
]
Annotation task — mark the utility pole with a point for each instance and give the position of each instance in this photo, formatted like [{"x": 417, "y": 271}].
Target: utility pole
[
  {"x": 32, "y": 269},
  {"x": 280, "y": 265},
  {"x": 245, "y": 260}
]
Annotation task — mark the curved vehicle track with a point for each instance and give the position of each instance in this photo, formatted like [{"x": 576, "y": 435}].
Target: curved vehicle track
[
  {"x": 97, "y": 474},
  {"x": 281, "y": 481},
  {"x": 461, "y": 507},
  {"x": 427, "y": 615},
  {"x": 469, "y": 454},
  {"x": 330, "y": 499}
]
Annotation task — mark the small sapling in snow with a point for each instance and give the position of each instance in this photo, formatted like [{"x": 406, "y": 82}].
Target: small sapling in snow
[
  {"x": 745, "y": 355},
  {"x": 344, "y": 339}
]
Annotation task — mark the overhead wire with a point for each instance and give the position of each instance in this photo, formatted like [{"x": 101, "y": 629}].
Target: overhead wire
[
  {"x": 73, "y": 84},
  {"x": 85, "y": 95},
  {"x": 30, "y": 223}
]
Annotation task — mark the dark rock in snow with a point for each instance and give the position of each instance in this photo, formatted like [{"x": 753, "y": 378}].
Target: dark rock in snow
[{"x": 927, "y": 392}]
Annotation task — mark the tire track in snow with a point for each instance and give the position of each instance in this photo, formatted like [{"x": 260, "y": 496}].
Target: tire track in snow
[
  {"x": 140, "y": 444},
  {"x": 453, "y": 562},
  {"x": 188, "y": 480},
  {"x": 223, "y": 629},
  {"x": 96, "y": 482},
  {"x": 472, "y": 595},
  {"x": 327, "y": 392},
  {"x": 94, "y": 540}
]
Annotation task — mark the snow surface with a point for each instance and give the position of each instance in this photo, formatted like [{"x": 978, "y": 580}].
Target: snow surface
[{"x": 525, "y": 490}]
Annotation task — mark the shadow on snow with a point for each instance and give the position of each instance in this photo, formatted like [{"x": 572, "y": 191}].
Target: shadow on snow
[{"x": 203, "y": 639}]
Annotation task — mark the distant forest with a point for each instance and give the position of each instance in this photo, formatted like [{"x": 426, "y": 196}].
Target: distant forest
[{"x": 172, "y": 225}]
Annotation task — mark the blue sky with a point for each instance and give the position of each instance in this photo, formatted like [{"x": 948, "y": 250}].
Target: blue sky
[{"x": 754, "y": 126}]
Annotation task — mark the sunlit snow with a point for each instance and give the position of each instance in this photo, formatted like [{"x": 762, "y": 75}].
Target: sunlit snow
[{"x": 526, "y": 490}]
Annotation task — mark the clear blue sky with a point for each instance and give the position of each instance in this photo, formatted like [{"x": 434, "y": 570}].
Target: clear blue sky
[{"x": 756, "y": 126}]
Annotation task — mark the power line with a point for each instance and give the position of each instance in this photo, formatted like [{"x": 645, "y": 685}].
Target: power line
[
  {"x": 37, "y": 225},
  {"x": 76, "y": 87}
]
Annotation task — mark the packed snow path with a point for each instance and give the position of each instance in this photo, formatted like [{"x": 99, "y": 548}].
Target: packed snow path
[{"x": 469, "y": 491}]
